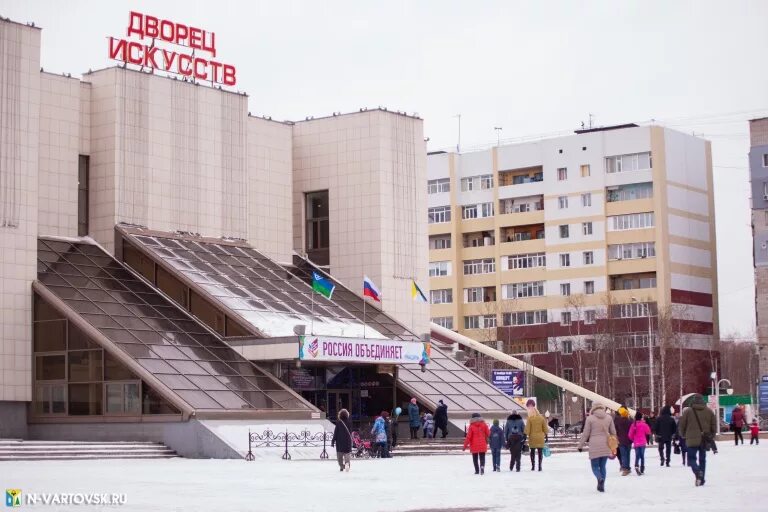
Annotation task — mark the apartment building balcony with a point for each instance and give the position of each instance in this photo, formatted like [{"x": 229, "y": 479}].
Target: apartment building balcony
[
  {"x": 521, "y": 210},
  {"x": 629, "y": 206},
  {"x": 632, "y": 266},
  {"x": 636, "y": 281},
  {"x": 478, "y": 239},
  {"x": 519, "y": 234},
  {"x": 526, "y": 181}
]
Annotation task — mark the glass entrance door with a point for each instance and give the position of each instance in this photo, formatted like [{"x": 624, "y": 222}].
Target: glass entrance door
[{"x": 338, "y": 399}]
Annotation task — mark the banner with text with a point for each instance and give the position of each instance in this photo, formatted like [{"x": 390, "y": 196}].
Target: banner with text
[
  {"x": 510, "y": 382},
  {"x": 359, "y": 350}
]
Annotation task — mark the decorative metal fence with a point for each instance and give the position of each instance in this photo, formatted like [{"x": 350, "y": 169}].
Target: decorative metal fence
[{"x": 286, "y": 440}]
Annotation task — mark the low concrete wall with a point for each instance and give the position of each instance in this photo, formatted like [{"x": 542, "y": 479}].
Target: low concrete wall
[
  {"x": 194, "y": 440},
  {"x": 13, "y": 420},
  {"x": 97, "y": 431}
]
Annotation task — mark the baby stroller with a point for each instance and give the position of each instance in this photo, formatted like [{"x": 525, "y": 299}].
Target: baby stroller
[{"x": 361, "y": 449}]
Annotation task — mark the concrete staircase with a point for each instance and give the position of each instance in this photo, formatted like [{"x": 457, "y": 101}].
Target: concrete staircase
[
  {"x": 454, "y": 445},
  {"x": 17, "y": 450}
]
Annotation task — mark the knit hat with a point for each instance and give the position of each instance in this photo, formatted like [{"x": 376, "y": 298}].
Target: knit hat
[
  {"x": 623, "y": 412},
  {"x": 413, "y": 400},
  {"x": 475, "y": 414},
  {"x": 638, "y": 416},
  {"x": 496, "y": 422}
]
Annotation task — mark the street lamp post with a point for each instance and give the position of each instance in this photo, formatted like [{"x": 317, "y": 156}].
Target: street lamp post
[
  {"x": 650, "y": 353},
  {"x": 716, "y": 387}
]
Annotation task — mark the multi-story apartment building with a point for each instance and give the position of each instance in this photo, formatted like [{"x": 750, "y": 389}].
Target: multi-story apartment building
[
  {"x": 758, "y": 168},
  {"x": 574, "y": 250}
]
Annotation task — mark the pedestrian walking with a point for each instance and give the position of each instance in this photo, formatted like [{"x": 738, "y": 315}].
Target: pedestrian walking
[
  {"x": 737, "y": 424},
  {"x": 536, "y": 431},
  {"x": 395, "y": 419},
  {"x": 651, "y": 423},
  {"x": 698, "y": 426},
  {"x": 379, "y": 433},
  {"x": 598, "y": 429},
  {"x": 342, "y": 440},
  {"x": 622, "y": 422},
  {"x": 388, "y": 431},
  {"x": 514, "y": 434},
  {"x": 414, "y": 422},
  {"x": 477, "y": 441},
  {"x": 665, "y": 430},
  {"x": 554, "y": 424},
  {"x": 496, "y": 441},
  {"x": 441, "y": 419},
  {"x": 639, "y": 432},
  {"x": 754, "y": 431}
]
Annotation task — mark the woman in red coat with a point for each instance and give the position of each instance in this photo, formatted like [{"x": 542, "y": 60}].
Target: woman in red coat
[
  {"x": 737, "y": 423},
  {"x": 477, "y": 441}
]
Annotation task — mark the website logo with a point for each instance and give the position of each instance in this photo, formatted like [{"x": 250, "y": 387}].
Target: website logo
[{"x": 13, "y": 497}]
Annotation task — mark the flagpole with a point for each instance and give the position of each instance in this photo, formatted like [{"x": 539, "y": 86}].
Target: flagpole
[
  {"x": 312, "y": 317},
  {"x": 364, "y": 301}
]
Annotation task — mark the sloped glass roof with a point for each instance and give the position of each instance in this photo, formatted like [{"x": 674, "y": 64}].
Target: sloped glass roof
[{"x": 182, "y": 354}]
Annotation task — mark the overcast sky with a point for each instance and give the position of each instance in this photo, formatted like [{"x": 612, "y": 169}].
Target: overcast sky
[{"x": 531, "y": 68}]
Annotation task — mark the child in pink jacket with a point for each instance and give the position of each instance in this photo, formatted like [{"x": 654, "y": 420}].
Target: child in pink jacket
[{"x": 638, "y": 434}]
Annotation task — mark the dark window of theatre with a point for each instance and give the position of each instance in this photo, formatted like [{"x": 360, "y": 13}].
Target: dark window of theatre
[
  {"x": 153, "y": 403},
  {"x": 235, "y": 329},
  {"x": 85, "y": 399},
  {"x": 174, "y": 288},
  {"x": 86, "y": 366},
  {"x": 137, "y": 261},
  {"x": 82, "y": 194},
  {"x": 206, "y": 312},
  {"x": 317, "y": 227}
]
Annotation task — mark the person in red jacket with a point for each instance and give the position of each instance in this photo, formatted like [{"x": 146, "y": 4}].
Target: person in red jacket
[
  {"x": 477, "y": 441},
  {"x": 737, "y": 423},
  {"x": 754, "y": 430}
]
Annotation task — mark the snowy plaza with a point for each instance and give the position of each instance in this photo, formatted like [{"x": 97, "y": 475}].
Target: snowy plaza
[{"x": 735, "y": 479}]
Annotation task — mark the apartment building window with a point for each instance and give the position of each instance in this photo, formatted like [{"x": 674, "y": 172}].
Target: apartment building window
[
  {"x": 629, "y": 162},
  {"x": 565, "y": 289},
  {"x": 444, "y": 296},
  {"x": 564, "y": 231},
  {"x": 474, "y": 294},
  {"x": 481, "y": 266},
  {"x": 586, "y": 199},
  {"x": 590, "y": 344},
  {"x": 586, "y": 228},
  {"x": 585, "y": 172},
  {"x": 439, "y": 214},
  {"x": 565, "y": 318},
  {"x": 488, "y": 321},
  {"x": 480, "y": 322},
  {"x": 525, "y": 318},
  {"x": 562, "y": 202},
  {"x": 439, "y": 268},
  {"x": 632, "y": 251},
  {"x": 317, "y": 225},
  {"x": 588, "y": 257},
  {"x": 472, "y": 322},
  {"x": 633, "y": 310},
  {"x": 633, "y": 340},
  {"x": 630, "y": 221},
  {"x": 589, "y": 287},
  {"x": 765, "y": 190},
  {"x": 765, "y": 159},
  {"x": 440, "y": 242},
  {"x": 474, "y": 211},
  {"x": 482, "y": 182},
  {"x": 443, "y": 321},
  {"x": 629, "y": 192},
  {"x": 766, "y": 217},
  {"x": 565, "y": 260},
  {"x": 568, "y": 374},
  {"x": 438, "y": 186},
  {"x": 630, "y": 369},
  {"x": 83, "y": 172},
  {"x": 590, "y": 315},
  {"x": 530, "y": 260},
  {"x": 562, "y": 174},
  {"x": 567, "y": 347},
  {"x": 590, "y": 374},
  {"x": 522, "y": 290}
]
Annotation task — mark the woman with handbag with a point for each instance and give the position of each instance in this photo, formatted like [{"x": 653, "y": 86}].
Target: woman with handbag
[
  {"x": 698, "y": 426},
  {"x": 600, "y": 434},
  {"x": 342, "y": 440}
]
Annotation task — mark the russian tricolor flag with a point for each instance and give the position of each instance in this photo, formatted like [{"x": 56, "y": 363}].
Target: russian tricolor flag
[{"x": 370, "y": 290}]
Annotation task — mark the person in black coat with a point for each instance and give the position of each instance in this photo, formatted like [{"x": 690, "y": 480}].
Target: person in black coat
[
  {"x": 441, "y": 419},
  {"x": 665, "y": 429},
  {"x": 342, "y": 440}
]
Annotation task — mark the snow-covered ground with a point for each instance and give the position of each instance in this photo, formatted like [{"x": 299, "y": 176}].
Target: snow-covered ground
[{"x": 735, "y": 481}]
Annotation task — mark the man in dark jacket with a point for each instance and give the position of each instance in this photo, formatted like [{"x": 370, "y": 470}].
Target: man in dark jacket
[
  {"x": 622, "y": 422},
  {"x": 514, "y": 434},
  {"x": 342, "y": 440},
  {"x": 665, "y": 429},
  {"x": 698, "y": 423},
  {"x": 737, "y": 423},
  {"x": 441, "y": 419}
]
